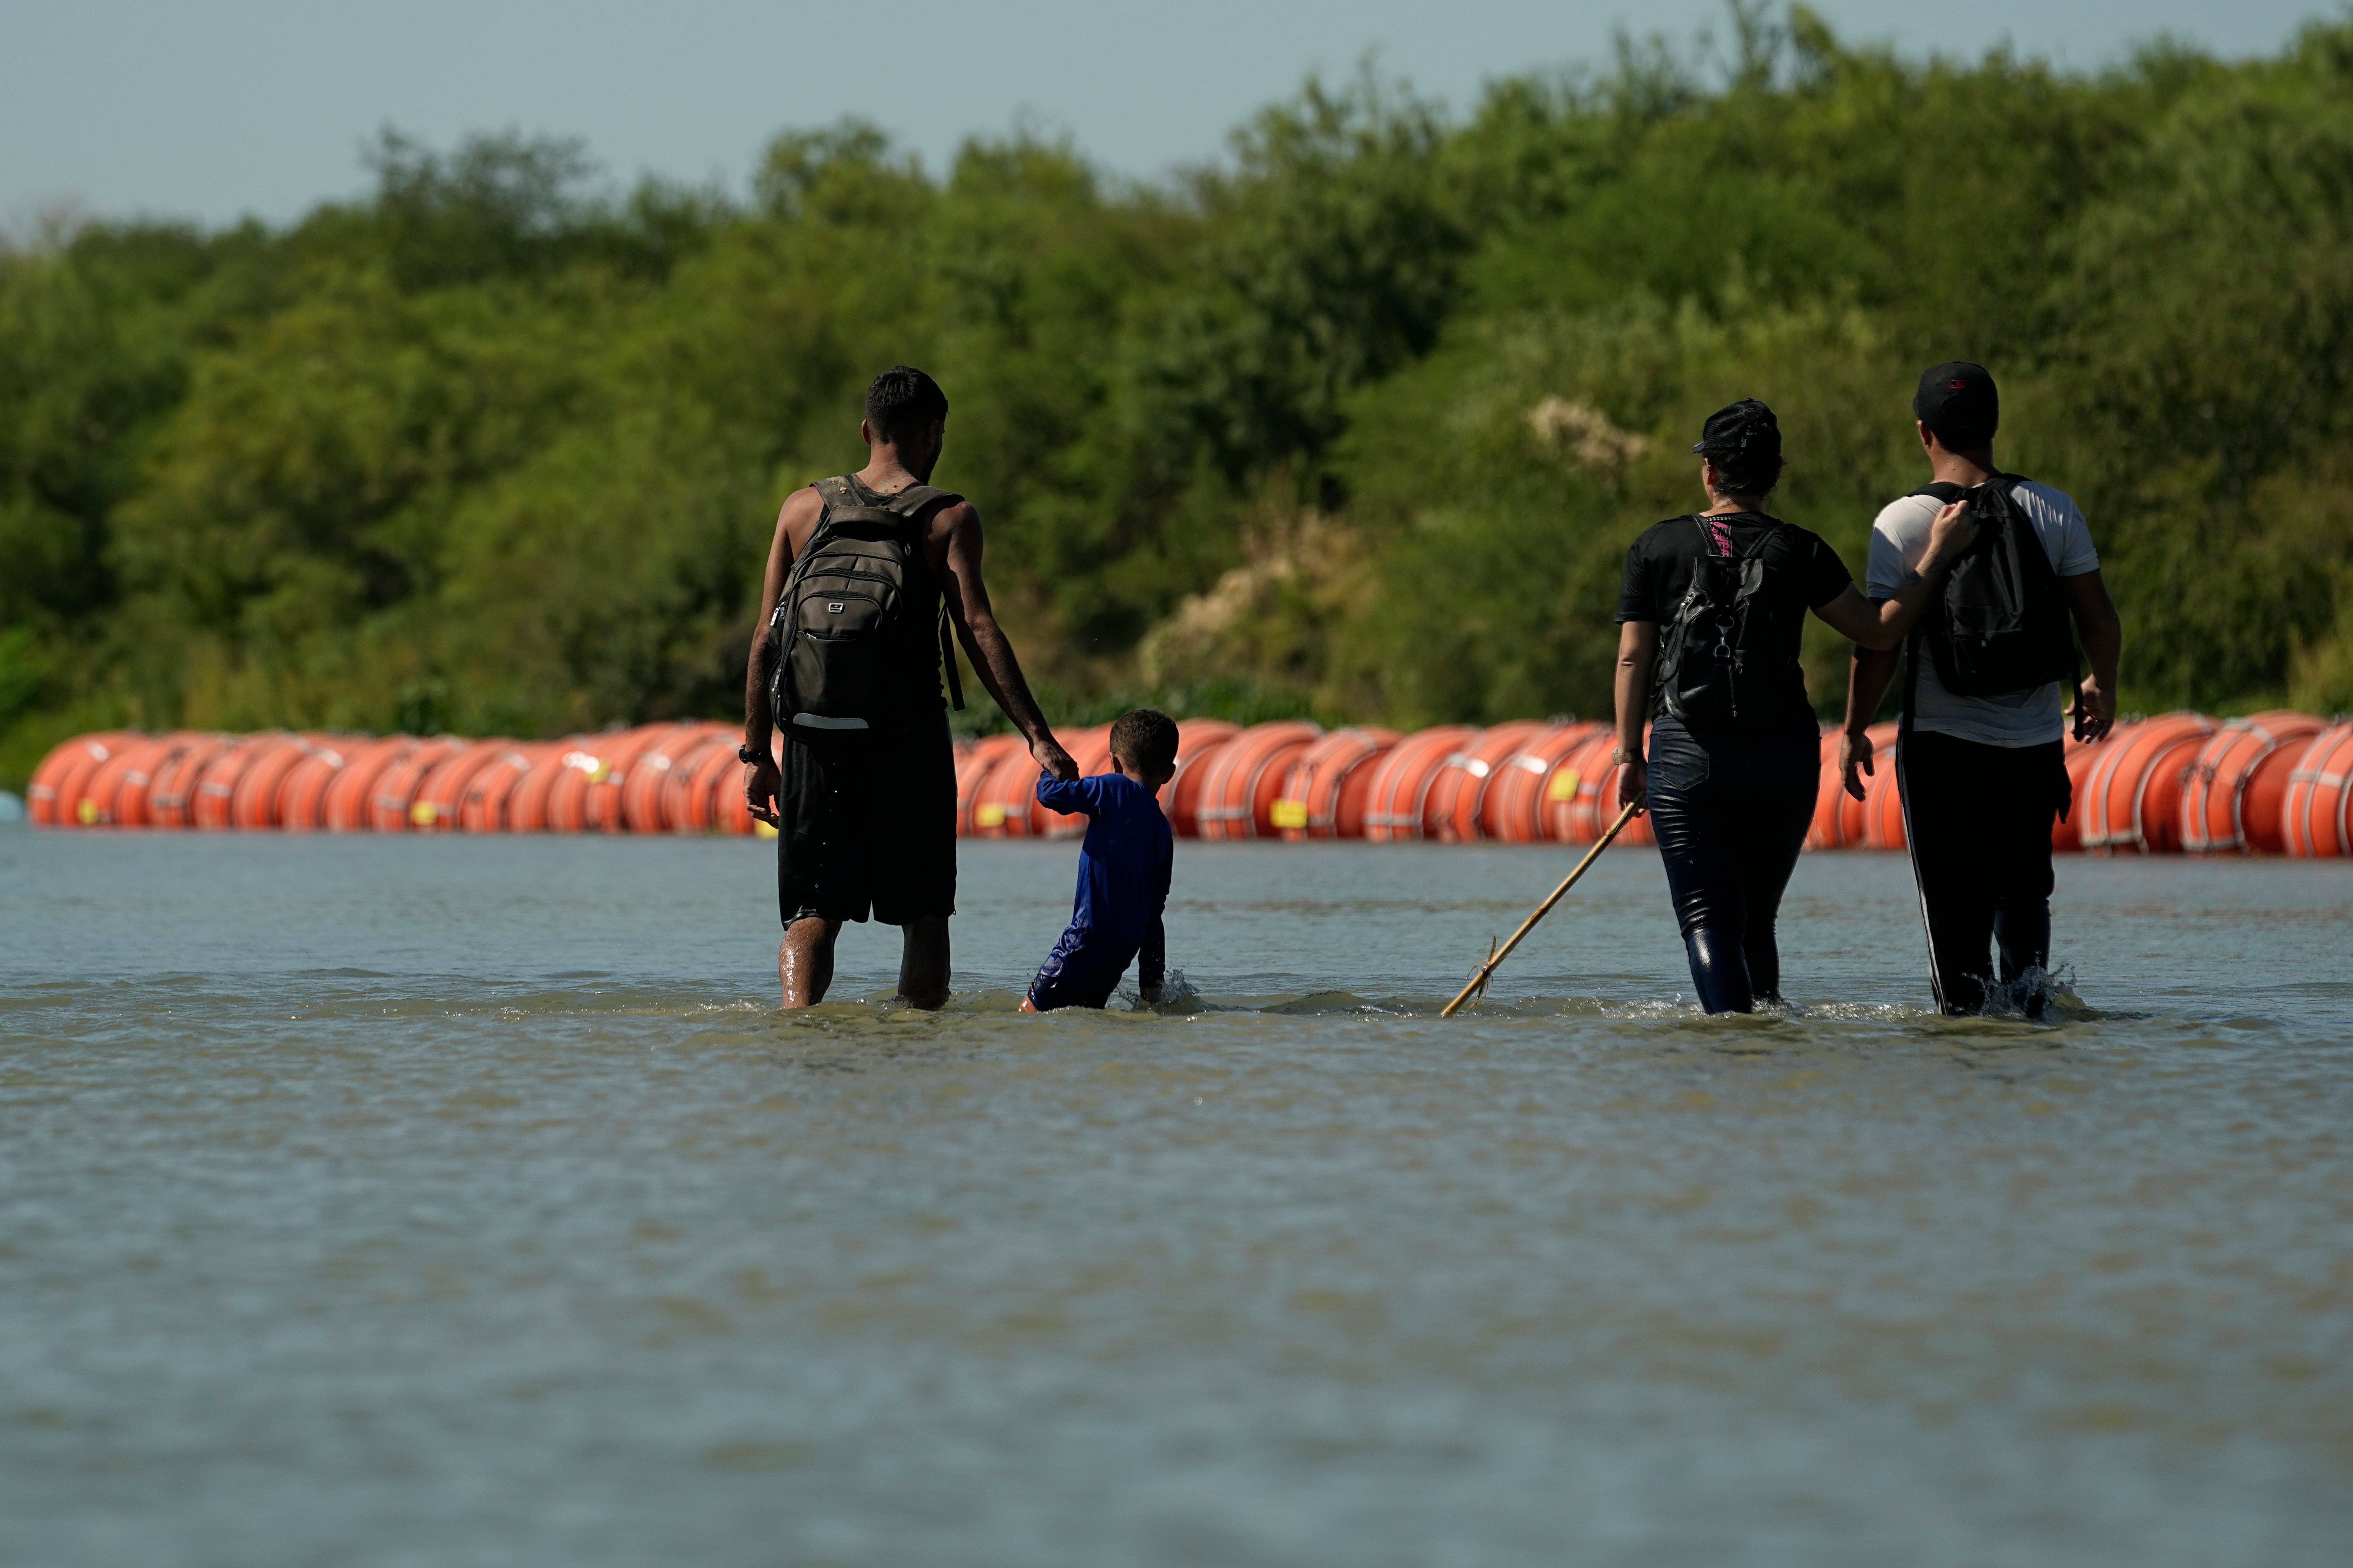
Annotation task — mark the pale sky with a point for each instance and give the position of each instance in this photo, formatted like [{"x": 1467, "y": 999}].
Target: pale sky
[{"x": 214, "y": 111}]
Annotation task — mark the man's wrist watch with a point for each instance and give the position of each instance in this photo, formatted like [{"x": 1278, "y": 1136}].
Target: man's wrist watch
[
  {"x": 746, "y": 753},
  {"x": 1620, "y": 756}
]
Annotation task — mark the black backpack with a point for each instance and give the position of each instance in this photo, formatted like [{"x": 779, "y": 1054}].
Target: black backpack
[
  {"x": 1714, "y": 664},
  {"x": 837, "y": 641},
  {"x": 1999, "y": 623}
]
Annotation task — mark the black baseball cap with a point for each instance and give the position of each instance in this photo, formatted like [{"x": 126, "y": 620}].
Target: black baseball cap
[
  {"x": 1958, "y": 395},
  {"x": 1745, "y": 430}
]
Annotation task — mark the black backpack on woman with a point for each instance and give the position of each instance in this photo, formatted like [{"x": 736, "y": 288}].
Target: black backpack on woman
[{"x": 1715, "y": 662}]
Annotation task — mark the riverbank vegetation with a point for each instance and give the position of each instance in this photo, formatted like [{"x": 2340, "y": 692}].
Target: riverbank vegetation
[{"x": 1356, "y": 423}]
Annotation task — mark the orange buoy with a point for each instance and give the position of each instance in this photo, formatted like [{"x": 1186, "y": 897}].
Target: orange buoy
[
  {"x": 1323, "y": 796},
  {"x": 440, "y": 804},
  {"x": 253, "y": 797},
  {"x": 302, "y": 793},
  {"x": 685, "y": 803},
  {"x": 604, "y": 809},
  {"x": 589, "y": 768},
  {"x": 1197, "y": 742},
  {"x": 2317, "y": 808},
  {"x": 974, "y": 761},
  {"x": 41, "y": 793},
  {"x": 1512, "y": 810},
  {"x": 172, "y": 796},
  {"x": 215, "y": 791},
  {"x": 482, "y": 801},
  {"x": 527, "y": 807},
  {"x": 1240, "y": 783},
  {"x": 1451, "y": 815},
  {"x": 1398, "y": 795},
  {"x": 2132, "y": 798},
  {"x": 1575, "y": 787},
  {"x": 394, "y": 793},
  {"x": 58, "y": 796},
  {"x": 120, "y": 783},
  {"x": 347, "y": 805},
  {"x": 647, "y": 779},
  {"x": 2231, "y": 796}
]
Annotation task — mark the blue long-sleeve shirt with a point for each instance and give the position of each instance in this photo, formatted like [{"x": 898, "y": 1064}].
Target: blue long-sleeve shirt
[{"x": 1124, "y": 870}]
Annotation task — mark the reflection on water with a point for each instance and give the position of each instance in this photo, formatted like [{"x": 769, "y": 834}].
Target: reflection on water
[{"x": 379, "y": 1201}]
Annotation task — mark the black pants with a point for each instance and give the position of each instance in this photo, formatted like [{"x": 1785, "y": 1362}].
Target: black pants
[
  {"x": 1977, "y": 819},
  {"x": 1731, "y": 812},
  {"x": 869, "y": 828}
]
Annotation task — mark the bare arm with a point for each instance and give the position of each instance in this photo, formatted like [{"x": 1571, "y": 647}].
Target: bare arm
[
  {"x": 1881, "y": 624},
  {"x": 1637, "y": 649},
  {"x": 984, "y": 641},
  {"x": 1867, "y": 679},
  {"x": 795, "y": 518},
  {"x": 2103, "y": 631}
]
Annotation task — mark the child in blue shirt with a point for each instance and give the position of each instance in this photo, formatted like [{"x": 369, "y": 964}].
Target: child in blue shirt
[{"x": 1123, "y": 871}]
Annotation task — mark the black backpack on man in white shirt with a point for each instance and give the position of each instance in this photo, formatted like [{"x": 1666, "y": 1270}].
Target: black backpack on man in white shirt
[{"x": 1999, "y": 623}]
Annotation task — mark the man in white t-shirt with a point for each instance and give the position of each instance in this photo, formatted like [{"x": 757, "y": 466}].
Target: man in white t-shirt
[{"x": 1982, "y": 776}]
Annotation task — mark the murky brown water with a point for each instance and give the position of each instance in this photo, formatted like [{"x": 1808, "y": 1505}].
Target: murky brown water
[{"x": 390, "y": 1201}]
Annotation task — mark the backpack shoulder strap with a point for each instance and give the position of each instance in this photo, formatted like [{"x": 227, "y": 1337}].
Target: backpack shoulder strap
[
  {"x": 917, "y": 499},
  {"x": 1944, "y": 490}
]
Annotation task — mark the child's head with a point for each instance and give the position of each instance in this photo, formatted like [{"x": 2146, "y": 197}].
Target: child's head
[{"x": 1143, "y": 746}]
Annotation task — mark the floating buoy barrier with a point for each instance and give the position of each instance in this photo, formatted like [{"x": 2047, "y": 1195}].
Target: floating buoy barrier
[
  {"x": 1460, "y": 786},
  {"x": 2132, "y": 799},
  {"x": 2316, "y": 813},
  {"x": 1247, "y": 776},
  {"x": 1512, "y": 807},
  {"x": 2231, "y": 801},
  {"x": 1398, "y": 799},
  {"x": 1323, "y": 797},
  {"x": 1197, "y": 741},
  {"x": 2272, "y": 783}
]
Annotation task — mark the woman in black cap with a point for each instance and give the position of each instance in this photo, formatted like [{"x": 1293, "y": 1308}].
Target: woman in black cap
[{"x": 1715, "y": 605}]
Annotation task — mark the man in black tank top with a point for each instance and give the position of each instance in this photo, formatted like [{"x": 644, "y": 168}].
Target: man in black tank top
[{"x": 869, "y": 829}]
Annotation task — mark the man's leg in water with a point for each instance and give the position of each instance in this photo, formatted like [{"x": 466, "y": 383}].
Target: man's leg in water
[
  {"x": 2022, "y": 915},
  {"x": 804, "y": 959},
  {"x": 1946, "y": 789},
  {"x": 924, "y": 961}
]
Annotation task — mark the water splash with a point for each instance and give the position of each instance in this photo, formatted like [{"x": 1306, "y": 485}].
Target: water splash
[{"x": 1178, "y": 996}]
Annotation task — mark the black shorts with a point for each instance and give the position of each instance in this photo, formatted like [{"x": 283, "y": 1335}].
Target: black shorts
[{"x": 869, "y": 830}]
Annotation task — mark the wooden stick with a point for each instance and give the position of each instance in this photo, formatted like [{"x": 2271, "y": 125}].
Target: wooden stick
[{"x": 1479, "y": 981}]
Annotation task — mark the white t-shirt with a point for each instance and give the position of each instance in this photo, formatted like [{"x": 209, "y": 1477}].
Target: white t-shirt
[{"x": 2031, "y": 718}]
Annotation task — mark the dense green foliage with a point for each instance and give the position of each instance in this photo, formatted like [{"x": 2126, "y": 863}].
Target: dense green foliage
[{"x": 1358, "y": 422}]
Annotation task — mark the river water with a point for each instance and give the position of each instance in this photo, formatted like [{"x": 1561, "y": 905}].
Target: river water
[{"x": 456, "y": 1201}]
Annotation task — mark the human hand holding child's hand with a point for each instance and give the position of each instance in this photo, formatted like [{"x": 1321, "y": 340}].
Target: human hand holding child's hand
[{"x": 1052, "y": 759}]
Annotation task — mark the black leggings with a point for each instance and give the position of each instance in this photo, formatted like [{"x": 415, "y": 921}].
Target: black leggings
[
  {"x": 1731, "y": 812},
  {"x": 1977, "y": 819}
]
